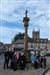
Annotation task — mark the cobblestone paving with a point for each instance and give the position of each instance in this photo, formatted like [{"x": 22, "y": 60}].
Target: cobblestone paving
[{"x": 19, "y": 72}]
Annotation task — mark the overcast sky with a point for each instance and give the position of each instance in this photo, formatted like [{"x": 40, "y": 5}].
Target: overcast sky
[{"x": 12, "y": 13}]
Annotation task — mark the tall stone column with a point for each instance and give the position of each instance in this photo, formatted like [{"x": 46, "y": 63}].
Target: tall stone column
[
  {"x": 26, "y": 38},
  {"x": 26, "y": 24}
]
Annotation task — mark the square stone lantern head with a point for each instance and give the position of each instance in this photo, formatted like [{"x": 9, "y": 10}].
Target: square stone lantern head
[{"x": 26, "y": 21}]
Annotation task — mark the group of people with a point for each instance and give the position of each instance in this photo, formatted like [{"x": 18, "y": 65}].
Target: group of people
[
  {"x": 15, "y": 58},
  {"x": 38, "y": 57}
]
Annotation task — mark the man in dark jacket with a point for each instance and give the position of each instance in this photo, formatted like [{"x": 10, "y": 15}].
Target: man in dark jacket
[
  {"x": 11, "y": 54},
  {"x": 7, "y": 57}
]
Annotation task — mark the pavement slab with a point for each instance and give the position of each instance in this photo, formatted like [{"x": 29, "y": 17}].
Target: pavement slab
[
  {"x": 19, "y": 72},
  {"x": 30, "y": 71}
]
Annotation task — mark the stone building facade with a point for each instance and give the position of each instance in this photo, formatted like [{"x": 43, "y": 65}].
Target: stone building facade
[
  {"x": 2, "y": 48},
  {"x": 35, "y": 41}
]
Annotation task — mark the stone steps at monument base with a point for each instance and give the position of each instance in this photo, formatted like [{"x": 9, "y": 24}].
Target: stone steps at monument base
[{"x": 47, "y": 73}]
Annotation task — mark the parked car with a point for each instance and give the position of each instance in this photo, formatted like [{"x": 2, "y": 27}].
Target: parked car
[
  {"x": 32, "y": 50},
  {"x": 48, "y": 53}
]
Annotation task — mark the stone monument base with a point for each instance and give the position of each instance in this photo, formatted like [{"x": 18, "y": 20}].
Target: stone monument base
[{"x": 27, "y": 55}]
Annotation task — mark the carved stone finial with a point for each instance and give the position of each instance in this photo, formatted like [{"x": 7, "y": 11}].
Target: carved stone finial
[{"x": 26, "y": 13}]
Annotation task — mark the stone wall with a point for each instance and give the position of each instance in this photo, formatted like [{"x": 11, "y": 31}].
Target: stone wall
[{"x": 49, "y": 46}]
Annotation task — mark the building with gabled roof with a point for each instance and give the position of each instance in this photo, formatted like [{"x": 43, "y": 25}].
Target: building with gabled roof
[{"x": 35, "y": 41}]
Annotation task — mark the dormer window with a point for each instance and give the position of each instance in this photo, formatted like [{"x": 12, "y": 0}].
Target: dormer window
[
  {"x": 41, "y": 40},
  {"x": 44, "y": 40},
  {"x": 37, "y": 40}
]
